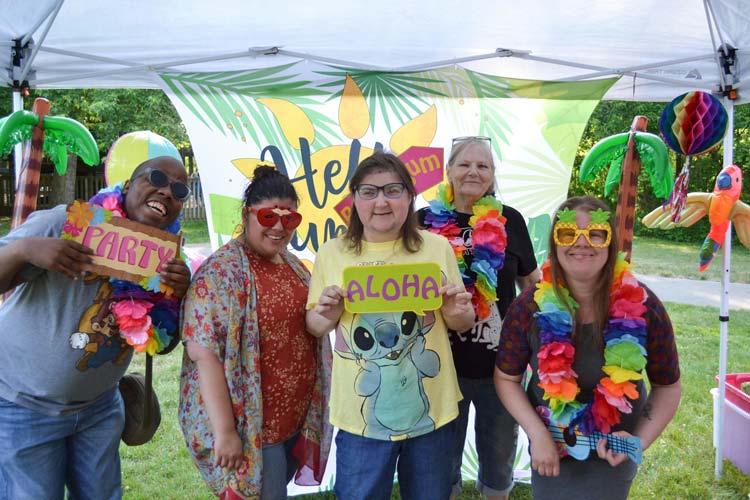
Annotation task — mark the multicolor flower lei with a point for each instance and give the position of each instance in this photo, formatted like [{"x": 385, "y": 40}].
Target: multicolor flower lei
[
  {"x": 624, "y": 353},
  {"x": 488, "y": 241},
  {"x": 146, "y": 312}
]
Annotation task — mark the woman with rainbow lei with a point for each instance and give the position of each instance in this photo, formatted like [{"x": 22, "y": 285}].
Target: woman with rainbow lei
[
  {"x": 588, "y": 330},
  {"x": 494, "y": 254}
]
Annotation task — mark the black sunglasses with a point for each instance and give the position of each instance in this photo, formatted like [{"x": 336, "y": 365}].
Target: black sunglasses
[{"x": 159, "y": 179}]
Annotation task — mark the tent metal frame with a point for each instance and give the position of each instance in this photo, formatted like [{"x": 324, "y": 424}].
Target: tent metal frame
[{"x": 721, "y": 55}]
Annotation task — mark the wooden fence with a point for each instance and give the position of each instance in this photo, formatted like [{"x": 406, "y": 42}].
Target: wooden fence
[{"x": 87, "y": 185}]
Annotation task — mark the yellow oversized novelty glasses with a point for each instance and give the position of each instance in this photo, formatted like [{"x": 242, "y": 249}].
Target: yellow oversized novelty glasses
[{"x": 597, "y": 234}]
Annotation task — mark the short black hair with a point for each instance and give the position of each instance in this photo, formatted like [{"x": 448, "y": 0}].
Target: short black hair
[{"x": 267, "y": 183}]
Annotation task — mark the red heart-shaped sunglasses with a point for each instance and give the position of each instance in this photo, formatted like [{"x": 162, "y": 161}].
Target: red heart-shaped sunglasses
[{"x": 269, "y": 216}]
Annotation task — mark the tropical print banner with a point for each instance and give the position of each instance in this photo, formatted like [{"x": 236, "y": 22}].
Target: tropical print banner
[{"x": 316, "y": 122}]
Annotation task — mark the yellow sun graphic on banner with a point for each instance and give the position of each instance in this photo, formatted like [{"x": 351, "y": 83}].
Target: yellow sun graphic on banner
[{"x": 322, "y": 179}]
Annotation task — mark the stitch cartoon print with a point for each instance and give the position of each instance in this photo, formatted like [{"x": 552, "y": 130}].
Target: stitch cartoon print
[{"x": 389, "y": 349}]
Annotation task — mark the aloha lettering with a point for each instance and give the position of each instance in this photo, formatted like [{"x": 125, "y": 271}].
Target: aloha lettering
[{"x": 392, "y": 289}]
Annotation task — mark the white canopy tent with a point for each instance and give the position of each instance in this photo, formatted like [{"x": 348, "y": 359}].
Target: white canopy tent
[{"x": 658, "y": 48}]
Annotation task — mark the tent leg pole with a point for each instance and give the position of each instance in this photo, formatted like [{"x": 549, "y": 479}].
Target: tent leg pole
[
  {"x": 726, "y": 253},
  {"x": 18, "y": 148}
]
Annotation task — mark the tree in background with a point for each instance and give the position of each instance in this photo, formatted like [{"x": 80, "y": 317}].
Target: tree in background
[
  {"x": 107, "y": 113},
  {"x": 55, "y": 135},
  {"x": 612, "y": 117}
]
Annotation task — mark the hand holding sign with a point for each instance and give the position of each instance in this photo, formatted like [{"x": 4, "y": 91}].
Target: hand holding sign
[
  {"x": 125, "y": 249},
  {"x": 67, "y": 257},
  {"x": 456, "y": 300},
  {"x": 331, "y": 303}
]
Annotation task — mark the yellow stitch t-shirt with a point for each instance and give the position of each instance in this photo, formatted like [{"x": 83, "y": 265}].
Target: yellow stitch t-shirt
[{"x": 393, "y": 373}]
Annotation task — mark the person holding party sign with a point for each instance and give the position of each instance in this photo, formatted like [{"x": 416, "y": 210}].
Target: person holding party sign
[
  {"x": 394, "y": 394},
  {"x": 494, "y": 254},
  {"x": 254, "y": 382},
  {"x": 589, "y": 329},
  {"x": 68, "y": 337}
]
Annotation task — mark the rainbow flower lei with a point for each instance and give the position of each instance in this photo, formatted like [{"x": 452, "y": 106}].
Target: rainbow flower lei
[
  {"x": 146, "y": 312},
  {"x": 624, "y": 353},
  {"x": 488, "y": 240}
]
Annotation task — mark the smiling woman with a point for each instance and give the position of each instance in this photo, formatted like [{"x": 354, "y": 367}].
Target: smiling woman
[
  {"x": 408, "y": 421},
  {"x": 244, "y": 331},
  {"x": 591, "y": 334}
]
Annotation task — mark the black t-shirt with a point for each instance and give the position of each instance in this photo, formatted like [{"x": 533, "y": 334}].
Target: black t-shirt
[{"x": 474, "y": 350}]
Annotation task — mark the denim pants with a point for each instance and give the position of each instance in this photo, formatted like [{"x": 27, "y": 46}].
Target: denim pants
[
  {"x": 495, "y": 433},
  {"x": 279, "y": 467},
  {"x": 41, "y": 455},
  {"x": 365, "y": 466}
]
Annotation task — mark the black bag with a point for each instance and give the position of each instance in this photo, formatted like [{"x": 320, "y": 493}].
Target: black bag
[{"x": 142, "y": 412}]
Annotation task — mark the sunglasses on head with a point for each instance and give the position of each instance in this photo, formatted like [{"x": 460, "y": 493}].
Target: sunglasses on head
[
  {"x": 597, "y": 235},
  {"x": 471, "y": 138},
  {"x": 269, "y": 216},
  {"x": 159, "y": 179}
]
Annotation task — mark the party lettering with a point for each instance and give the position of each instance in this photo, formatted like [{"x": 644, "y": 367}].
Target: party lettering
[{"x": 125, "y": 248}]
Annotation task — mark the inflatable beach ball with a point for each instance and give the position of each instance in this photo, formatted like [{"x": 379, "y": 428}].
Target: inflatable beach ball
[{"x": 131, "y": 150}]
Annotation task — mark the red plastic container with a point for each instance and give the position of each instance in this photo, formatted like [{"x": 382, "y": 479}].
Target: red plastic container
[{"x": 734, "y": 392}]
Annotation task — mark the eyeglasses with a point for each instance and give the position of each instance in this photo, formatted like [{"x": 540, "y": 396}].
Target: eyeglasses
[
  {"x": 597, "y": 235},
  {"x": 269, "y": 216},
  {"x": 393, "y": 190},
  {"x": 472, "y": 138},
  {"x": 159, "y": 179}
]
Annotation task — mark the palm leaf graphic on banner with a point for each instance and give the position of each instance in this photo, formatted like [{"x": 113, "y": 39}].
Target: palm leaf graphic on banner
[
  {"x": 532, "y": 183},
  {"x": 231, "y": 102},
  {"x": 461, "y": 107},
  {"x": 397, "y": 96},
  {"x": 495, "y": 119}
]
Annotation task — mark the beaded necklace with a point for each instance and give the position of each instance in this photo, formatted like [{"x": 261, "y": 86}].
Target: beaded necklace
[
  {"x": 146, "y": 313},
  {"x": 488, "y": 240},
  {"x": 624, "y": 353}
]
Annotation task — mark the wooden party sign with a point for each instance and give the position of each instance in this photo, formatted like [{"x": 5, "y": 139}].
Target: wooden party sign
[{"x": 123, "y": 249}]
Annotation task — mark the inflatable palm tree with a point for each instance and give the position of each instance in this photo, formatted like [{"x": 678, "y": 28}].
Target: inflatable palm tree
[
  {"x": 54, "y": 135},
  {"x": 623, "y": 154}
]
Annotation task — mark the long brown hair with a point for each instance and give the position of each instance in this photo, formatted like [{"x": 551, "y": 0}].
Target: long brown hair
[
  {"x": 606, "y": 276},
  {"x": 383, "y": 162}
]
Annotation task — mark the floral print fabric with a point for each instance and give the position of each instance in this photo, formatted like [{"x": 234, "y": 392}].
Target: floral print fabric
[{"x": 220, "y": 313}]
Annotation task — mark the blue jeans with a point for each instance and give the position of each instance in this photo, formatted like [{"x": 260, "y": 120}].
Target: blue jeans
[
  {"x": 365, "y": 466},
  {"x": 41, "y": 455},
  {"x": 496, "y": 433},
  {"x": 279, "y": 467}
]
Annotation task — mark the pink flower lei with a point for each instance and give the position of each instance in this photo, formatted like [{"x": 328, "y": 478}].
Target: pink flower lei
[
  {"x": 488, "y": 240},
  {"x": 146, "y": 317}
]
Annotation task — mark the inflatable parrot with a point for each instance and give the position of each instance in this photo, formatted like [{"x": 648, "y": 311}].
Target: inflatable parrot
[{"x": 722, "y": 206}]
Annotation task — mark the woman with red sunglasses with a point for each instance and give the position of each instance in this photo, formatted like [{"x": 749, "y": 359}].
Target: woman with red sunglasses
[{"x": 254, "y": 381}]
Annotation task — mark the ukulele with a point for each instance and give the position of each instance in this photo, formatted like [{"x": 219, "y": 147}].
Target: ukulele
[{"x": 579, "y": 446}]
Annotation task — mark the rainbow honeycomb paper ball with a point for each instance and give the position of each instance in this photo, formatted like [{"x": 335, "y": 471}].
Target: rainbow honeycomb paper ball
[
  {"x": 132, "y": 149},
  {"x": 693, "y": 123}
]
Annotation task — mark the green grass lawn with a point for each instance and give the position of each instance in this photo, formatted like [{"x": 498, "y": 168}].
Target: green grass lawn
[
  {"x": 680, "y": 465},
  {"x": 680, "y": 260}
]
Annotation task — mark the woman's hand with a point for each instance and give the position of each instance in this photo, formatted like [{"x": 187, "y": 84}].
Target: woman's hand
[
  {"x": 545, "y": 459},
  {"x": 610, "y": 456},
  {"x": 324, "y": 316},
  {"x": 228, "y": 450},
  {"x": 457, "y": 310},
  {"x": 176, "y": 273},
  {"x": 331, "y": 303}
]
